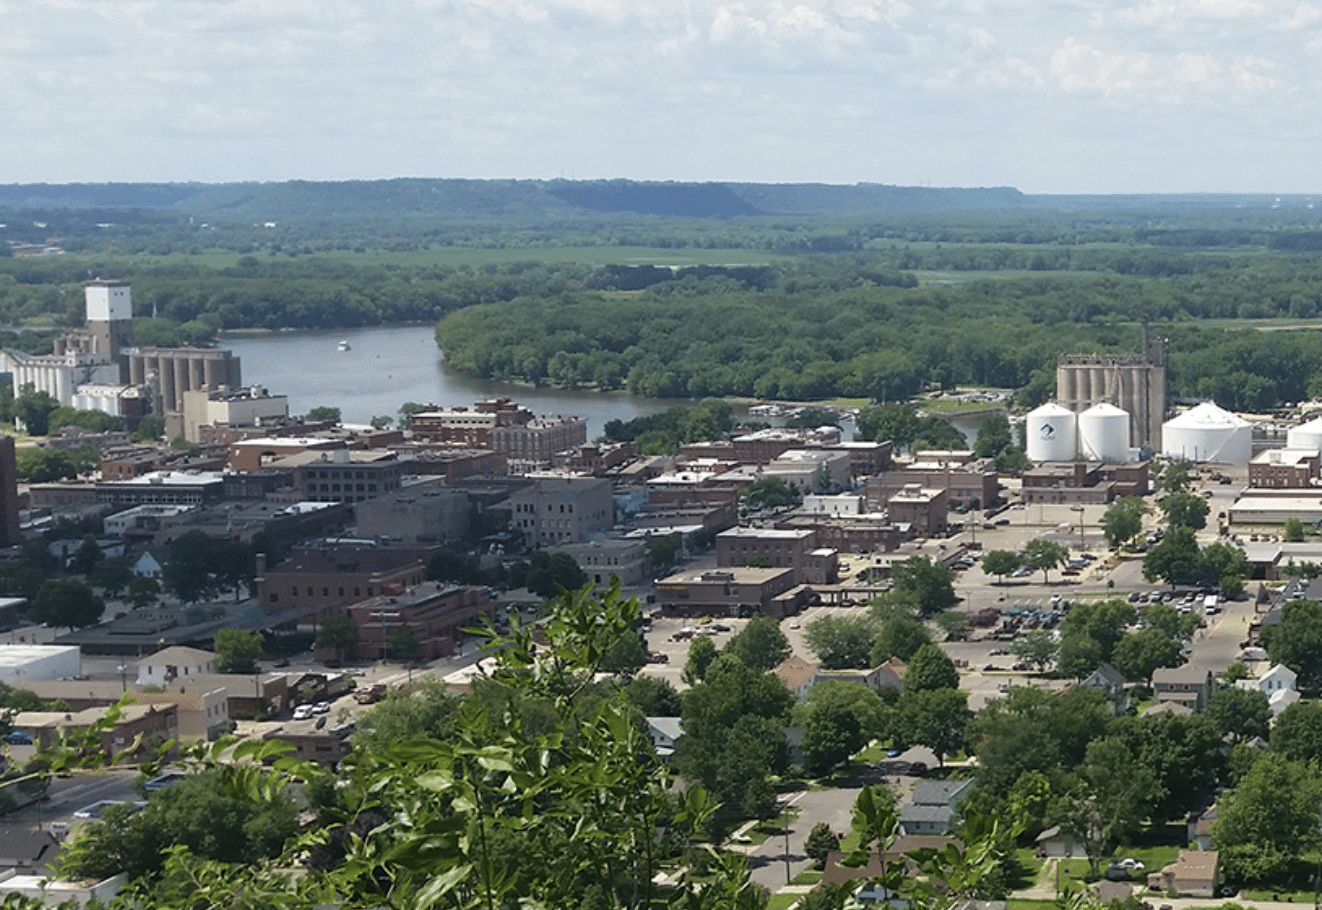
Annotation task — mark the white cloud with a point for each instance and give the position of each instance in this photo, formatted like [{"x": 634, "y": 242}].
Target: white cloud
[{"x": 947, "y": 91}]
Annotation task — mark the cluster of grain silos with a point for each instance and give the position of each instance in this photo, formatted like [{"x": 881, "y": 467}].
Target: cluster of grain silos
[
  {"x": 1055, "y": 433},
  {"x": 1208, "y": 433}
]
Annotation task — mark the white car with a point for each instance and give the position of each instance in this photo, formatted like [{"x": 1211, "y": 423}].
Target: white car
[
  {"x": 1131, "y": 864},
  {"x": 303, "y": 712},
  {"x": 321, "y": 707}
]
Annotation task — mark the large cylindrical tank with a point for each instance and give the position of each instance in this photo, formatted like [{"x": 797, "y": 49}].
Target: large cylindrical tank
[
  {"x": 1050, "y": 433},
  {"x": 1208, "y": 433},
  {"x": 1305, "y": 436},
  {"x": 1104, "y": 434}
]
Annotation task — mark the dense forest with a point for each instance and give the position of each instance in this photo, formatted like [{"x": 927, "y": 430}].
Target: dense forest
[{"x": 693, "y": 290}]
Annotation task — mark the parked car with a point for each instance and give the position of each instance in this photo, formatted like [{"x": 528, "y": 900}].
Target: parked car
[
  {"x": 18, "y": 738},
  {"x": 303, "y": 712},
  {"x": 321, "y": 707}
]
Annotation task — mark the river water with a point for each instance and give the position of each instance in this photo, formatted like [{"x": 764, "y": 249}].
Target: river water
[{"x": 386, "y": 366}]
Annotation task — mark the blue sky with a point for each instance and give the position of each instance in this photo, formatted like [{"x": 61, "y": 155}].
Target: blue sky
[{"x": 1050, "y": 96}]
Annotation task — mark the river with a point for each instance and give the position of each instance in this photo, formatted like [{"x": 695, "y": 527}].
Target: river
[{"x": 386, "y": 366}]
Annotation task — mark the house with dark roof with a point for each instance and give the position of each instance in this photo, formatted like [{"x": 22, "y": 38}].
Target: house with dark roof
[
  {"x": 932, "y": 808},
  {"x": 1190, "y": 685},
  {"x": 1111, "y": 683}
]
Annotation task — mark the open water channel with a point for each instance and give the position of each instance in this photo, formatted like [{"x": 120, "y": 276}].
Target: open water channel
[{"x": 385, "y": 366}]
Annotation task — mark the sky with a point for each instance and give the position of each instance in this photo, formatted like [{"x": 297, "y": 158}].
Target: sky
[{"x": 1049, "y": 96}]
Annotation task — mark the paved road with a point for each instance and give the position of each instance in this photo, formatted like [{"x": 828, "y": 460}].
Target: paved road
[{"x": 767, "y": 861}]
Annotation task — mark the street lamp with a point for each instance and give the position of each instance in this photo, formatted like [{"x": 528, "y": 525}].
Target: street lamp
[{"x": 1079, "y": 509}]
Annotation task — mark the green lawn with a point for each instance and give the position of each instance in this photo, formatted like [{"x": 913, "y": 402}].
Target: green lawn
[
  {"x": 808, "y": 877},
  {"x": 783, "y": 901}
]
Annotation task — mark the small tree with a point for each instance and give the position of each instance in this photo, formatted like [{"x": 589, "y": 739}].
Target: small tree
[
  {"x": 1294, "y": 530},
  {"x": 339, "y": 632},
  {"x": 761, "y": 645},
  {"x": 1185, "y": 510},
  {"x": 1001, "y": 563},
  {"x": 1123, "y": 520},
  {"x": 1046, "y": 555},
  {"x": 702, "y": 651},
  {"x": 821, "y": 842},
  {"x": 403, "y": 643},
  {"x": 238, "y": 650},
  {"x": 1038, "y": 648}
]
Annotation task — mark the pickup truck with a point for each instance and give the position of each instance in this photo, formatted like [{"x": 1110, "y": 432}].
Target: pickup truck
[{"x": 370, "y": 695}]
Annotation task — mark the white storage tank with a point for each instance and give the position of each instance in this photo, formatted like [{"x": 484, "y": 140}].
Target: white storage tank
[
  {"x": 1208, "y": 433},
  {"x": 1050, "y": 433},
  {"x": 1104, "y": 434},
  {"x": 1305, "y": 436}
]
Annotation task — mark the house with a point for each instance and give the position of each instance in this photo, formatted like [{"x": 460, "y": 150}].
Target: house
[
  {"x": 1193, "y": 874},
  {"x": 932, "y": 808},
  {"x": 665, "y": 732},
  {"x": 889, "y": 675},
  {"x": 59, "y": 893},
  {"x": 1111, "y": 683},
  {"x": 1189, "y": 685},
  {"x": 178, "y": 662},
  {"x": 1200, "y": 828},
  {"x": 1056, "y": 842},
  {"x": 798, "y": 675},
  {"x": 26, "y": 849},
  {"x": 1278, "y": 684},
  {"x": 148, "y": 565}
]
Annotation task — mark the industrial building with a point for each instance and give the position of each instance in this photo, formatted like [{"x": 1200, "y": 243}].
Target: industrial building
[
  {"x": 1136, "y": 383},
  {"x": 1208, "y": 433}
]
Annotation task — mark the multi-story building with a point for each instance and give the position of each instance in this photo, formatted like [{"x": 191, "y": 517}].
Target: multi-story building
[
  {"x": 467, "y": 426},
  {"x": 561, "y": 510},
  {"x": 434, "y": 612},
  {"x": 731, "y": 592},
  {"x": 601, "y": 559},
  {"x": 167, "y": 487},
  {"x": 421, "y": 513},
  {"x": 924, "y": 509},
  {"x": 797, "y": 550},
  {"x": 1284, "y": 469},
  {"x": 316, "y": 580},
  {"x": 225, "y": 407},
  {"x": 344, "y": 475},
  {"x": 975, "y": 485},
  {"x": 531, "y": 445}
]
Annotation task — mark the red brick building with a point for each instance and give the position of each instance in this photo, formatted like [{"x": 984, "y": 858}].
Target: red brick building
[{"x": 434, "y": 612}]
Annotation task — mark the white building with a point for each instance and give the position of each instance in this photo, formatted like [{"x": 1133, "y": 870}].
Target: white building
[
  {"x": 1208, "y": 433},
  {"x": 175, "y": 663},
  {"x": 21, "y": 663},
  {"x": 1278, "y": 684}
]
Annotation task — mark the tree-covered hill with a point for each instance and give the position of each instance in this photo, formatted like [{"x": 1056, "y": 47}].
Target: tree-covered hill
[{"x": 405, "y": 197}]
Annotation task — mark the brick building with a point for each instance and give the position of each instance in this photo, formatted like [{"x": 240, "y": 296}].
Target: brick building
[
  {"x": 436, "y": 613},
  {"x": 318, "y": 580},
  {"x": 924, "y": 509},
  {"x": 797, "y": 550},
  {"x": 975, "y": 485},
  {"x": 1284, "y": 468}
]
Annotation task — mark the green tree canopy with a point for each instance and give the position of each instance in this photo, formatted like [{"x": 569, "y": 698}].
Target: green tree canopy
[
  {"x": 1001, "y": 563},
  {"x": 927, "y": 583},
  {"x": 842, "y": 641},
  {"x": 1123, "y": 520},
  {"x": 1046, "y": 555},
  {"x": 1185, "y": 510},
  {"x": 1241, "y": 714},
  {"x": 1296, "y": 641},
  {"x": 238, "y": 650},
  {"x": 67, "y": 602},
  {"x": 1175, "y": 558},
  {"x": 702, "y": 651},
  {"x": 1268, "y": 820},
  {"x": 760, "y": 644},
  {"x": 930, "y": 668}
]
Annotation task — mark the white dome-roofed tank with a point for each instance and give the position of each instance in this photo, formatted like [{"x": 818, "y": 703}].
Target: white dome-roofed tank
[
  {"x": 1104, "y": 433},
  {"x": 1305, "y": 436},
  {"x": 1208, "y": 433},
  {"x": 1050, "y": 433}
]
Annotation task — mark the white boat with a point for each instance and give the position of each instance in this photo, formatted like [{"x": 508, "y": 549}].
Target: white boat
[{"x": 342, "y": 346}]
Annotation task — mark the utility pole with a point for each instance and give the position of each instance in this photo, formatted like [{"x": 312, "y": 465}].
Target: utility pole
[{"x": 786, "y": 829}]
